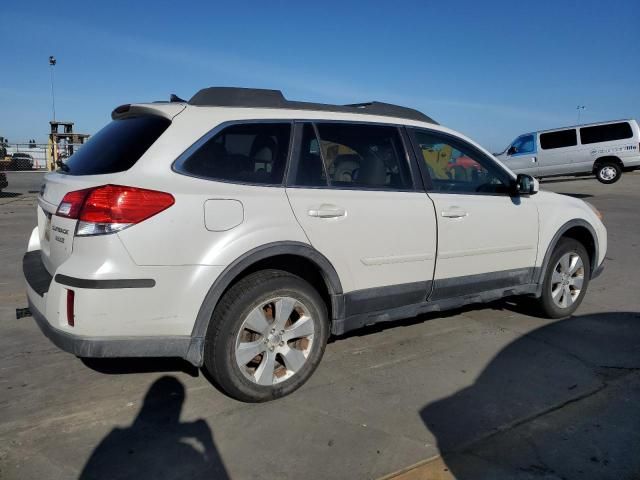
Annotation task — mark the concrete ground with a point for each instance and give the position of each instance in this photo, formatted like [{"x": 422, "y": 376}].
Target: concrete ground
[{"x": 484, "y": 392}]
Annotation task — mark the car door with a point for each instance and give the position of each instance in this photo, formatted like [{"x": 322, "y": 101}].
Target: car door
[
  {"x": 351, "y": 188},
  {"x": 558, "y": 150},
  {"x": 522, "y": 155},
  {"x": 487, "y": 239}
]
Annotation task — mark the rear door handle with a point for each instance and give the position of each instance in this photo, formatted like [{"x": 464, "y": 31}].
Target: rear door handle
[
  {"x": 454, "y": 214},
  {"x": 534, "y": 159},
  {"x": 327, "y": 211}
]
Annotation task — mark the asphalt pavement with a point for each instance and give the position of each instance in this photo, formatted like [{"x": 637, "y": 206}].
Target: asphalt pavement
[{"x": 484, "y": 392}]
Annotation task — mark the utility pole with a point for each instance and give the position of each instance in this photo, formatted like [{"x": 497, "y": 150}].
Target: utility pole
[
  {"x": 52, "y": 63},
  {"x": 579, "y": 108}
]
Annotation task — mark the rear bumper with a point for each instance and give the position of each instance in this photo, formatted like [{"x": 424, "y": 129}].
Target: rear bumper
[
  {"x": 114, "y": 347},
  {"x": 39, "y": 282}
]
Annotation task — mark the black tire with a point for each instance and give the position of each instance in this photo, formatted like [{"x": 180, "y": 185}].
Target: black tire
[
  {"x": 608, "y": 172},
  {"x": 228, "y": 318},
  {"x": 545, "y": 303}
]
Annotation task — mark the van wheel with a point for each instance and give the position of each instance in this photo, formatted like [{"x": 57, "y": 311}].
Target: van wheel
[
  {"x": 608, "y": 172},
  {"x": 267, "y": 336},
  {"x": 565, "y": 280}
]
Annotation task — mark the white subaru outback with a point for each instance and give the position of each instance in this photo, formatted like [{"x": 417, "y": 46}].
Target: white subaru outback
[{"x": 239, "y": 230}]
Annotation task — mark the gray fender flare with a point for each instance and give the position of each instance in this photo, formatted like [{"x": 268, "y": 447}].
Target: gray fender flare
[
  {"x": 329, "y": 274},
  {"x": 577, "y": 222}
]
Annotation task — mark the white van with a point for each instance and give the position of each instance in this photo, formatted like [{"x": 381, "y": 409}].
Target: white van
[{"x": 604, "y": 149}]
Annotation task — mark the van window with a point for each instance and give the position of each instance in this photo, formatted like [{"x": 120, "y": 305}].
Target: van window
[
  {"x": 605, "y": 133},
  {"x": 523, "y": 145},
  {"x": 245, "y": 152},
  {"x": 364, "y": 156},
  {"x": 559, "y": 139},
  {"x": 117, "y": 147}
]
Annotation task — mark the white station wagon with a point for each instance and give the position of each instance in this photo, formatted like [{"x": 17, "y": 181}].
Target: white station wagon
[{"x": 239, "y": 230}]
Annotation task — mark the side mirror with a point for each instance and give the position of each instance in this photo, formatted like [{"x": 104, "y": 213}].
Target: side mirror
[
  {"x": 512, "y": 150},
  {"x": 526, "y": 185}
]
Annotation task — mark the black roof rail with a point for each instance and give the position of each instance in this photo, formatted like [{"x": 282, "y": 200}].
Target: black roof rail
[{"x": 264, "y": 98}]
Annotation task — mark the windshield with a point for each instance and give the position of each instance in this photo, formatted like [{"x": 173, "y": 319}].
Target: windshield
[{"x": 117, "y": 147}]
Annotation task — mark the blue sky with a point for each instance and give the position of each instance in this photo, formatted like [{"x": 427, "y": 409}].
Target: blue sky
[{"x": 491, "y": 70}]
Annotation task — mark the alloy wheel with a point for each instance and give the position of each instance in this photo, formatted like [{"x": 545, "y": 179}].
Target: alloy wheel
[{"x": 275, "y": 340}]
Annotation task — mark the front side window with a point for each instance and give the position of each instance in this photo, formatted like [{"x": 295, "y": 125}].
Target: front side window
[
  {"x": 559, "y": 139},
  {"x": 524, "y": 144},
  {"x": 605, "y": 133},
  {"x": 245, "y": 152},
  {"x": 364, "y": 156},
  {"x": 455, "y": 167}
]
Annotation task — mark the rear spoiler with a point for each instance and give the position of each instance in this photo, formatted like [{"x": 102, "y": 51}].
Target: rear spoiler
[{"x": 166, "y": 110}]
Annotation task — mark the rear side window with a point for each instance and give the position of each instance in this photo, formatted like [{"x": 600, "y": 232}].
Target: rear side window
[
  {"x": 246, "y": 153},
  {"x": 559, "y": 139},
  {"x": 363, "y": 156},
  {"x": 117, "y": 147},
  {"x": 605, "y": 133}
]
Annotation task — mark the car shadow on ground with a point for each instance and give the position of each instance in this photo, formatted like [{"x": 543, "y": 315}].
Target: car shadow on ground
[
  {"x": 576, "y": 195},
  {"x": 566, "y": 179},
  {"x": 489, "y": 429},
  {"x": 157, "y": 444},
  {"x": 120, "y": 366},
  {"x": 9, "y": 194}
]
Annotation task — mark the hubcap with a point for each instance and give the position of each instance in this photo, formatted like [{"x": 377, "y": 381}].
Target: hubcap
[
  {"x": 608, "y": 173},
  {"x": 567, "y": 279},
  {"x": 274, "y": 340}
]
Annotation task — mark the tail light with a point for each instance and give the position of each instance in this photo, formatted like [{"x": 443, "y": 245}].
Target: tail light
[{"x": 111, "y": 208}]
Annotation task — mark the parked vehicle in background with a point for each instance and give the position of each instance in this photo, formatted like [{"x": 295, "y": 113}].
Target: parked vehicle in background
[
  {"x": 3, "y": 181},
  {"x": 276, "y": 224},
  {"x": 604, "y": 149},
  {"x": 21, "y": 161}
]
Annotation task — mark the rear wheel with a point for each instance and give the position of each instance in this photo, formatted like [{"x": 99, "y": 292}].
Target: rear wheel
[
  {"x": 267, "y": 336},
  {"x": 608, "y": 172},
  {"x": 565, "y": 280}
]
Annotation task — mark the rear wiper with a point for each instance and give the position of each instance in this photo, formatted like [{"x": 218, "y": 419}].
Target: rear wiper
[{"x": 63, "y": 166}]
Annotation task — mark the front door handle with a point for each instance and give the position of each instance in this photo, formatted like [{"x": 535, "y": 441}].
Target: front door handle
[
  {"x": 454, "y": 213},
  {"x": 327, "y": 211},
  {"x": 534, "y": 159}
]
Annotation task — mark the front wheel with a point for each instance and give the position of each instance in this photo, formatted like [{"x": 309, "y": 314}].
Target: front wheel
[
  {"x": 267, "y": 336},
  {"x": 565, "y": 280},
  {"x": 608, "y": 172}
]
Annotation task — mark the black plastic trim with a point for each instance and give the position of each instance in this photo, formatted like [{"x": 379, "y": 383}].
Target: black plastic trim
[
  {"x": 353, "y": 322},
  {"x": 105, "y": 284},
  {"x": 229, "y": 274},
  {"x": 91, "y": 347},
  {"x": 35, "y": 273},
  {"x": 471, "y": 284},
  {"x": 576, "y": 222},
  {"x": 379, "y": 298}
]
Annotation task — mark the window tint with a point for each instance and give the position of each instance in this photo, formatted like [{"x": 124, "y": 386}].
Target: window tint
[
  {"x": 252, "y": 153},
  {"x": 117, "y": 147},
  {"x": 310, "y": 170},
  {"x": 559, "y": 139},
  {"x": 522, "y": 145},
  {"x": 458, "y": 168},
  {"x": 364, "y": 156},
  {"x": 605, "y": 133}
]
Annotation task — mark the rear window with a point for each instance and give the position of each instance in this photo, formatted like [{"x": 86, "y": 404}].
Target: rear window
[
  {"x": 117, "y": 147},
  {"x": 605, "y": 133},
  {"x": 559, "y": 139},
  {"x": 245, "y": 153}
]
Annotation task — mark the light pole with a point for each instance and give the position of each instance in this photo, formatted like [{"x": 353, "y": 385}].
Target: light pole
[
  {"x": 579, "y": 108},
  {"x": 52, "y": 63}
]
